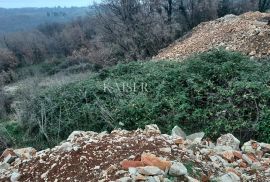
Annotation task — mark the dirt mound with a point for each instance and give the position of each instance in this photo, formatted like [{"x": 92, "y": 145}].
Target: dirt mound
[
  {"x": 248, "y": 33},
  {"x": 141, "y": 155}
]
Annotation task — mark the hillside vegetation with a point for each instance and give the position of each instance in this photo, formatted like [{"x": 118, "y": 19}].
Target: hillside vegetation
[{"x": 215, "y": 92}]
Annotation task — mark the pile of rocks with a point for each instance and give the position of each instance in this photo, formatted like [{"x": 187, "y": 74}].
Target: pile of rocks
[
  {"x": 141, "y": 155},
  {"x": 248, "y": 33}
]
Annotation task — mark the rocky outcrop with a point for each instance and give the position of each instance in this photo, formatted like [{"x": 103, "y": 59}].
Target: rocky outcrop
[
  {"x": 141, "y": 155},
  {"x": 247, "y": 33}
]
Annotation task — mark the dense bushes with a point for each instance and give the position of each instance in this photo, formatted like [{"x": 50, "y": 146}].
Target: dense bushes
[{"x": 217, "y": 92}]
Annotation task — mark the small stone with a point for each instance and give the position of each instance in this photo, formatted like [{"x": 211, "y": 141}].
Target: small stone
[
  {"x": 242, "y": 164},
  {"x": 44, "y": 175},
  {"x": 179, "y": 141},
  {"x": 166, "y": 150},
  {"x": 237, "y": 154},
  {"x": 150, "y": 171},
  {"x": 252, "y": 53},
  {"x": 256, "y": 166},
  {"x": 178, "y": 132},
  {"x": 124, "y": 179},
  {"x": 177, "y": 169},
  {"x": 228, "y": 140},
  {"x": 233, "y": 171}
]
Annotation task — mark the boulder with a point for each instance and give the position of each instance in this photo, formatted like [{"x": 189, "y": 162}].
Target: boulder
[
  {"x": 195, "y": 136},
  {"x": 124, "y": 179},
  {"x": 15, "y": 176},
  {"x": 153, "y": 128},
  {"x": 220, "y": 149},
  {"x": 152, "y": 160},
  {"x": 190, "y": 179},
  {"x": 229, "y": 177},
  {"x": 228, "y": 140},
  {"x": 75, "y": 134},
  {"x": 25, "y": 153},
  {"x": 128, "y": 163},
  {"x": 150, "y": 171},
  {"x": 4, "y": 166},
  {"x": 177, "y": 169},
  {"x": 8, "y": 156},
  {"x": 153, "y": 179},
  {"x": 178, "y": 132},
  {"x": 251, "y": 147},
  {"x": 66, "y": 147}
]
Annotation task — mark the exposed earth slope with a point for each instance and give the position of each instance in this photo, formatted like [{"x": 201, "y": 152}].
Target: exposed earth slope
[
  {"x": 248, "y": 33},
  {"x": 141, "y": 155}
]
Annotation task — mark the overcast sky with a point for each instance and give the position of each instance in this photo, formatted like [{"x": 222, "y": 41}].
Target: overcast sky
[{"x": 44, "y": 3}]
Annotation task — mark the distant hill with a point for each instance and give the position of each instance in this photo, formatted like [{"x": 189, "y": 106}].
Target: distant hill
[{"x": 22, "y": 19}]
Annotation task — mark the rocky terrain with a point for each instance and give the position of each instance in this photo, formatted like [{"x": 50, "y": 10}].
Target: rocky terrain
[
  {"x": 248, "y": 33},
  {"x": 141, "y": 155}
]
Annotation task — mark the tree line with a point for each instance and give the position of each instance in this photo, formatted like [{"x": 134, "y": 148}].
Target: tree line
[{"x": 119, "y": 30}]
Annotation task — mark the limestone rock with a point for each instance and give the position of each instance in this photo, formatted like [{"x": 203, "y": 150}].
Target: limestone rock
[
  {"x": 247, "y": 159},
  {"x": 15, "y": 177},
  {"x": 66, "y": 147},
  {"x": 150, "y": 171},
  {"x": 228, "y": 140},
  {"x": 229, "y": 177},
  {"x": 177, "y": 169},
  {"x": 194, "y": 136},
  {"x": 4, "y": 166},
  {"x": 153, "y": 128},
  {"x": 127, "y": 164},
  {"x": 152, "y": 160},
  {"x": 124, "y": 179},
  {"x": 8, "y": 156},
  {"x": 251, "y": 147},
  {"x": 228, "y": 155},
  {"x": 178, "y": 132},
  {"x": 25, "y": 153}
]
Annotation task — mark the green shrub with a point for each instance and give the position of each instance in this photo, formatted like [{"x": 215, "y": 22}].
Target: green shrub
[{"x": 216, "y": 92}]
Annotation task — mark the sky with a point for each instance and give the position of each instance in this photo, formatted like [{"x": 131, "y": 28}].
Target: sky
[{"x": 44, "y": 3}]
